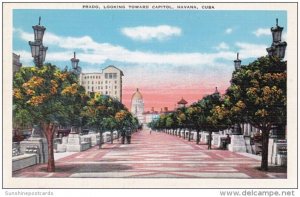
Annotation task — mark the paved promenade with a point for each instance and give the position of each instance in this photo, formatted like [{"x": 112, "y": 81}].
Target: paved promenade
[{"x": 155, "y": 155}]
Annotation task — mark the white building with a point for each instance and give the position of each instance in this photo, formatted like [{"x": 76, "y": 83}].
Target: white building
[
  {"x": 137, "y": 106},
  {"x": 107, "y": 82}
]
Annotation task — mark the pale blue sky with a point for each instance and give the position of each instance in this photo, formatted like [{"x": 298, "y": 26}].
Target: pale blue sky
[{"x": 152, "y": 47}]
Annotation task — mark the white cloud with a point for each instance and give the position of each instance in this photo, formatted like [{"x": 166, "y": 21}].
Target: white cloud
[
  {"x": 262, "y": 32},
  {"x": 153, "y": 64},
  {"x": 249, "y": 50},
  {"x": 98, "y": 53},
  {"x": 228, "y": 30},
  {"x": 23, "y": 35},
  {"x": 222, "y": 46},
  {"x": 145, "y": 33}
]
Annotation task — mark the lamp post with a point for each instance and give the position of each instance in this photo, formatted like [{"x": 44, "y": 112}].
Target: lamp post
[
  {"x": 237, "y": 62},
  {"x": 236, "y": 129},
  {"x": 75, "y": 62},
  {"x": 38, "y": 51},
  {"x": 277, "y": 48}
]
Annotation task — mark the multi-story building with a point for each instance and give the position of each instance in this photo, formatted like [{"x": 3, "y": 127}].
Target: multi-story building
[
  {"x": 16, "y": 63},
  {"x": 107, "y": 82}
]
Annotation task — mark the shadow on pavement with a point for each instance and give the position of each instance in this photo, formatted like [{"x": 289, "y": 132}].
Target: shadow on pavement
[{"x": 71, "y": 168}]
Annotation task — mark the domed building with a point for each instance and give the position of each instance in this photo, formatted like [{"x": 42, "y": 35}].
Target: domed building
[{"x": 137, "y": 106}]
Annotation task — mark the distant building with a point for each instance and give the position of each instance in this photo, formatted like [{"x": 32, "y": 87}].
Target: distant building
[
  {"x": 107, "y": 82},
  {"x": 182, "y": 103},
  {"x": 137, "y": 106},
  {"x": 16, "y": 63},
  {"x": 150, "y": 116}
]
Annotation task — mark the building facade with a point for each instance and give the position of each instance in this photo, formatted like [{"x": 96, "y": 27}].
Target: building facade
[
  {"x": 16, "y": 63},
  {"x": 137, "y": 106},
  {"x": 108, "y": 82}
]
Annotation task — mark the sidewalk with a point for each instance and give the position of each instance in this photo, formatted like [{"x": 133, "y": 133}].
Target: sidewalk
[{"x": 155, "y": 155}]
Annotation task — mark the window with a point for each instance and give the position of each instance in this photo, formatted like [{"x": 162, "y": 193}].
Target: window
[
  {"x": 115, "y": 87},
  {"x": 106, "y": 92},
  {"x": 92, "y": 82},
  {"x": 88, "y": 87},
  {"x": 88, "y": 82},
  {"x": 114, "y": 75},
  {"x": 105, "y": 82},
  {"x": 105, "y": 87},
  {"x": 116, "y": 82},
  {"x": 115, "y": 92},
  {"x": 110, "y": 75},
  {"x": 106, "y": 75}
]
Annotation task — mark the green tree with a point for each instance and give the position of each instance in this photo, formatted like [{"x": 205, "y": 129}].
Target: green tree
[
  {"x": 207, "y": 104},
  {"x": 48, "y": 95},
  {"x": 106, "y": 114},
  {"x": 258, "y": 93},
  {"x": 197, "y": 118}
]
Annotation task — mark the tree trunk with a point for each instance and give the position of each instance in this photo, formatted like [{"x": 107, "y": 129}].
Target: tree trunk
[
  {"x": 49, "y": 133},
  {"x": 209, "y": 140},
  {"x": 265, "y": 147},
  {"x": 111, "y": 137},
  {"x": 198, "y": 137},
  {"x": 101, "y": 139}
]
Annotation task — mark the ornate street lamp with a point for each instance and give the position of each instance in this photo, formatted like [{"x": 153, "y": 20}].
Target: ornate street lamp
[
  {"x": 74, "y": 61},
  {"x": 38, "y": 51},
  {"x": 35, "y": 48},
  {"x": 277, "y": 48},
  {"x": 42, "y": 54},
  {"x": 76, "y": 68},
  {"x": 276, "y": 32},
  {"x": 39, "y": 31},
  {"x": 237, "y": 62}
]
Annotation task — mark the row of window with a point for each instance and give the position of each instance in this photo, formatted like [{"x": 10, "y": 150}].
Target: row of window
[
  {"x": 107, "y": 76},
  {"x": 110, "y": 75},
  {"x": 100, "y": 87},
  {"x": 106, "y": 92},
  {"x": 97, "y": 82}
]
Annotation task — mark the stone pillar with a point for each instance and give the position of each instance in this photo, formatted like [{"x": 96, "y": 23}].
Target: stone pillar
[
  {"x": 38, "y": 140},
  {"x": 42, "y": 147},
  {"x": 237, "y": 143}
]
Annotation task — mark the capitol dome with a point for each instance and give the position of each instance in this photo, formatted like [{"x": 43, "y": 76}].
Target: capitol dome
[
  {"x": 137, "y": 95},
  {"x": 137, "y": 106}
]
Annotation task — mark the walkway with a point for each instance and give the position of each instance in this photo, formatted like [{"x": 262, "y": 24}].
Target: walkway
[{"x": 153, "y": 155}]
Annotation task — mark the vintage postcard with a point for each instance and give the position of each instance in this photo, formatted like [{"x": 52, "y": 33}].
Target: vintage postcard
[{"x": 150, "y": 95}]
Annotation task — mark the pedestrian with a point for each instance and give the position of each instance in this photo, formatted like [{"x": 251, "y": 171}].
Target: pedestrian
[
  {"x": 128, "y": 136},
  {"x": 150, "y": 131}
]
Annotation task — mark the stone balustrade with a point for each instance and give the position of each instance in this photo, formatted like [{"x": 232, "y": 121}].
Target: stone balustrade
[{"x": 23, "y": 161}]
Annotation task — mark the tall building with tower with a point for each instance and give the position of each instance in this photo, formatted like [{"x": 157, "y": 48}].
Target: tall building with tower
[{"x": 137, "y": 106}]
